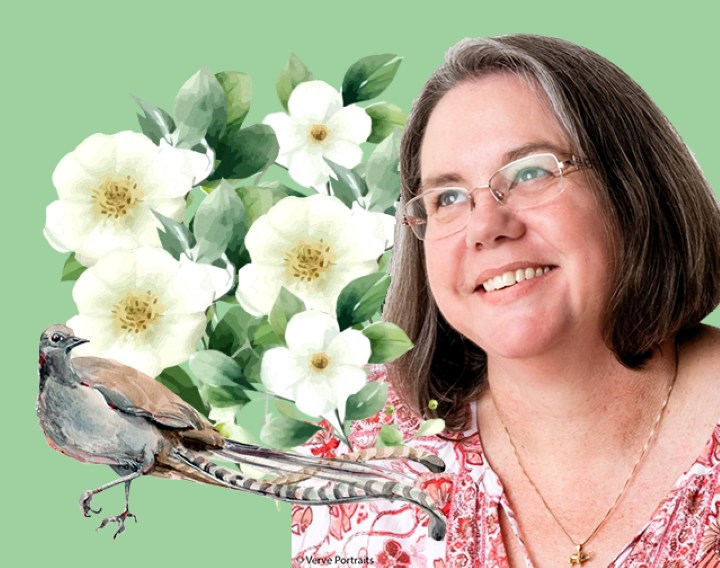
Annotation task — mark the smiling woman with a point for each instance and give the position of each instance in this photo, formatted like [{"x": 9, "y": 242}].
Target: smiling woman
[{"x": 561, "y": 248}]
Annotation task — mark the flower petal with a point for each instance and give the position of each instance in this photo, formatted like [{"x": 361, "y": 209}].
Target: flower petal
[
  {"x": 347, "y": 154},
  {"x": 315, "y": 397},
  {"x": 258, "y": 288},
  {"x": 350, "y": 123},
  {"x": 310, "y": 331},
  {"x": 279, "y": 372},
  {"x": 347, "y": 380},
  {"x": 308, "y": 168},
  {"x": 314, "y": 101},
  {"x": 350, "y": 347}
]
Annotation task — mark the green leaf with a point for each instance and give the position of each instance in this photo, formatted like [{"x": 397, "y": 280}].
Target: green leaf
[
  {"x": 286, "y": 306},
  {"x": 390, "y": 436},
  {"x": 293, "y": 73},
  {"x": 361, "y": 299},
  {"x": 259, "y": 200},
  {"x": 383, "y": 174},
  {"x": 178, "y": 381},
  {"x": 368, "y": 77},
  {"x": 250, "y": 362},
  {"x": 175, "y": 237},
  {"x": 349, "y": 186},
  {"x": 387, "y": 340},
  {"x": 263, "y": 336},
  {"x": 430, "y": 427},
  {"x": 238, "y": 94},
  {"x": 219, "y": 378},
  {"x": 155, "y": 123},
  {"x": 230, "y": 334},
  {"x": 368, "y": 401},
  {"x": 219, "y": 216},
  {"x": 246, "y": 151},
  {"x": 282, "y": 432},
  {"x": 199, "y": 108},
  {"x": 72, "y": 269},
  {"x": 385, "y": 117}
]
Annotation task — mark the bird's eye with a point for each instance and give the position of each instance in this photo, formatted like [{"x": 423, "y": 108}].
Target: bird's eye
[{"x": 56, "y": 337}]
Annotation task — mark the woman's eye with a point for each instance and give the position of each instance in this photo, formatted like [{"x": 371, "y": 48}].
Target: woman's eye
[
  {"x": 449, "y": 197},
  {"x": 530, "y": 174}
]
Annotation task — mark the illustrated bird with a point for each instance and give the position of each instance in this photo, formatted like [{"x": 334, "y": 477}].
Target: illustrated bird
[{"x": 103, "y": 412}]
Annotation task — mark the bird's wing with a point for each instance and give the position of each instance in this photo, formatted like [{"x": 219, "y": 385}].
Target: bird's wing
[{"x": 137, "y": 394}]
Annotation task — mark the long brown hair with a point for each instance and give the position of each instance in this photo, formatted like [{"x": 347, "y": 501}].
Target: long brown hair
[{"x": 660, "y": 211}]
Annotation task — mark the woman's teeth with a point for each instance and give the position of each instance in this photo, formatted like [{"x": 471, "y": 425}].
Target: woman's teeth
[{"x": 513, "y": 277}]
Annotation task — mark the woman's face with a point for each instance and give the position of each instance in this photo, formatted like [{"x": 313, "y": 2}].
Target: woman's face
[{"x": 475, "y": 129}]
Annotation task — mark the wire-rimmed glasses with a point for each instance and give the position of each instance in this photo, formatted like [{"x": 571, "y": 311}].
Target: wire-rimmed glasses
[{"x": 440, "y": 212}]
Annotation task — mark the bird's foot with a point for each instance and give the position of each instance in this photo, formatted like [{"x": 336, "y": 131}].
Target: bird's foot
[
  {"x": 85, "y": 504},
  {"x": 120, "y": 520}
]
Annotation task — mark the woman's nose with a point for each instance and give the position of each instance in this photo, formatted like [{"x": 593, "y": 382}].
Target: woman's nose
[{"x": 491, "y": 222}]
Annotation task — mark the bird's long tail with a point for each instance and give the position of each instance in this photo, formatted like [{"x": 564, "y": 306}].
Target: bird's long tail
[
  {"x": 292, "y": 468},
  {"x": 350, "y": 490}
]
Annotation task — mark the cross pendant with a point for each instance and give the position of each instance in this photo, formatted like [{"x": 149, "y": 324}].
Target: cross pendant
[{"x": 579, "y": 556}]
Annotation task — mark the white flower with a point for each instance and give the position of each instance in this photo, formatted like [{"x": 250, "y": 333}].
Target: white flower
[
  {"x": 313, "y": 246},
  {"x": 107, "y": 188},
  {"x": 142, "y": 308},
  {"x": 317, "y": 127},
  {"x": 221, "y": 279},
  {"x": 320, "y": 367},
  {"x": 200, "y": 164}
]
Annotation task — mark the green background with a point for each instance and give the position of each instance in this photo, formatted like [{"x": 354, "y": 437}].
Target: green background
[{"x": 69, "y": 71}]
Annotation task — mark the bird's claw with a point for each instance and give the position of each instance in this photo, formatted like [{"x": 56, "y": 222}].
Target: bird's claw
[
  {"x": 120, "y": 520},
  {"x": 85, "y": 504}
]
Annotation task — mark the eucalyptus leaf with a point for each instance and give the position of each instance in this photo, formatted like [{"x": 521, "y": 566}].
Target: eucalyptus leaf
[
  {"x": 218, "y": 217},
  {"x": 238, "y": 95},
  {"x": 155, "y": 123},
  {"x": 388, "y": 341},
  {"x": 368, "y": 401},
  {"x": 175, "y": 237},
  {"x": 178, "y": 381},
  {"x": 386, "y": 117},
  {"x": 215, "y": 369},
  {"x": 246, "y": 151},
  {"x": 72, "y": 269},
  {"x": 199, "y": 109},
  {"x": 383, "y": 173},
  {"x": 250, "y": 362},
  {"x": 286, "y": 306},
  {"x": 390, "y": 436},
  {"x": 348, "y": 186},
  {"x": 263, "y": 336},
  {"x": 293, "y": 73},
  {"x": 230, "y": 334},
  {"x": 282, "y": 432},
  {"x": 368, "y": 77},
  {"x": 360, "y": 299}
]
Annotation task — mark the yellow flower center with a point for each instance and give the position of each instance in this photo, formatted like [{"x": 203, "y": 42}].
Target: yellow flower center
[
  {"x": 307, "y": 261},
  {"x": 116, "y": 196},
  {"x": 319, "y": 361},
  {"x": 318, "y": 132},
  {"x": 136, "y": 311}
]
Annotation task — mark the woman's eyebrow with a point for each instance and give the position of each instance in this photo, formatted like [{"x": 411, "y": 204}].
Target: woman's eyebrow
[{"x": 441, "y": 180}]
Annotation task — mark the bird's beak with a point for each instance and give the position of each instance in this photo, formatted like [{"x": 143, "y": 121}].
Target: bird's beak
[{"x": 73, "y": 342}]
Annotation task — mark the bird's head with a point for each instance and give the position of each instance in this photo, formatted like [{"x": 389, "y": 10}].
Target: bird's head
[{"x": 58, "y": 338}]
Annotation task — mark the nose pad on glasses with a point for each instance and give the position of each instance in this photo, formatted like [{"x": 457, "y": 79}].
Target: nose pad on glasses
[{"x": 499, "y": 195}]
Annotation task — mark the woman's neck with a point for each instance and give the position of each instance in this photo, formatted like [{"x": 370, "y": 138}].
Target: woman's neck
[{"x": 578, "y": 396}]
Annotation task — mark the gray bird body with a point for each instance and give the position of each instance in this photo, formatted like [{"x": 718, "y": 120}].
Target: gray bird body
[{"x": 103, "y": 412}]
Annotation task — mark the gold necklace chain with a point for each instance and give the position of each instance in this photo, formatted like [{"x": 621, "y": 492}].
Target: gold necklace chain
[{"x": 580, "y": 556}]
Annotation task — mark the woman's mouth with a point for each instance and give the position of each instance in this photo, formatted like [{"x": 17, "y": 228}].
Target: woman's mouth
[{"x": 512, "y": 277}]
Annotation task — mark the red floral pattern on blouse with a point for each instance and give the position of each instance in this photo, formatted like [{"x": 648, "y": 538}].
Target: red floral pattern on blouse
[{"x": 683, "y": 532}]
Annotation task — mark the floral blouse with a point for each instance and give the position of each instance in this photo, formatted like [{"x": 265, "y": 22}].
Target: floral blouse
[{"x": 684, "y": 531}]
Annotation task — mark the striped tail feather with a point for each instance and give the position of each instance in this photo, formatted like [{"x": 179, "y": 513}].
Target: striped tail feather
[
  {"x": 337, "y": 493},
  {"x": 425, "y": 458}
]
